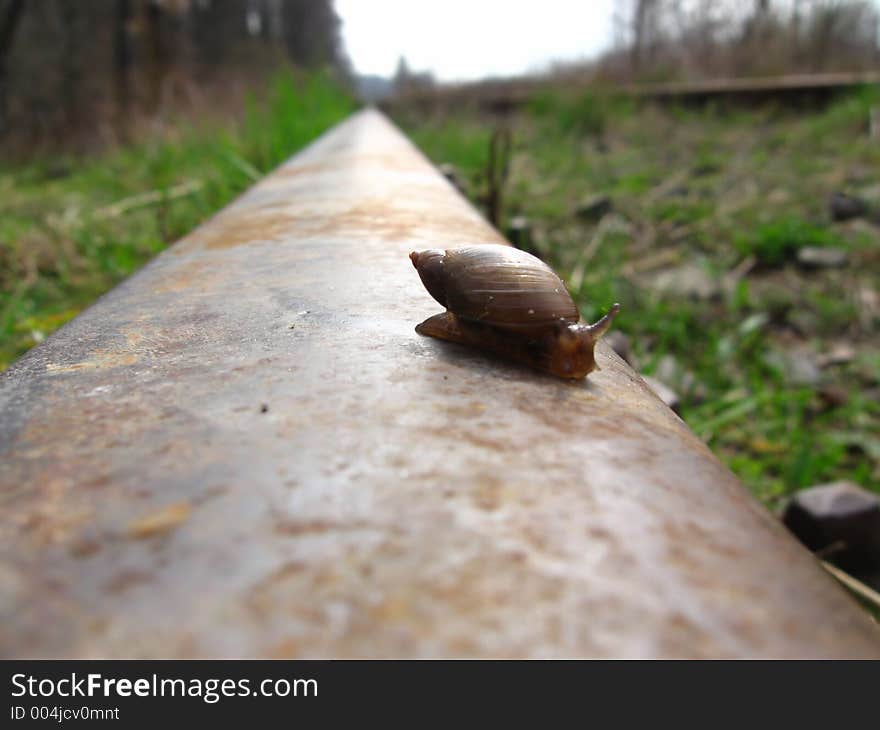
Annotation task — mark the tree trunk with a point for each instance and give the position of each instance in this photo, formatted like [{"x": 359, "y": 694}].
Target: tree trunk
[
  {"x": 70, "y": 71},
  {"x": 8, "y": 25},
  {"x": 640, "y": 31},
  {"x": 156, "y": 70},
  {"x": 122, "y": 66}
]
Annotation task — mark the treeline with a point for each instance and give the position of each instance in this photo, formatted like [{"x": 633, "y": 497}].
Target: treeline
[
  {"x": 658, "y": 40},
  {"x": 72, "y": 69}
]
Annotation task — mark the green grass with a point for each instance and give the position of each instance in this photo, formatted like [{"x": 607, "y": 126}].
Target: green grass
[
  {"x": 777, "y": 241},
  {"x": 709, "y": 187},
  {"x": 584, "y": 113},
  {"x": 464, "y": 141},
  {"x": 65, "y": 239},
  {"x": 714, "y": 187}
]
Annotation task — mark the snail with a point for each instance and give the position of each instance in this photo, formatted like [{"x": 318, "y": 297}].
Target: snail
[{"x": 509, "y": 302}]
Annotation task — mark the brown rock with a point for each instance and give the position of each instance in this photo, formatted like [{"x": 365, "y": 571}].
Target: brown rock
[
  {"x": 451, "y": 173},
  {"x": 839, "y": 353},
  {"x": 664, "y": 392},
  {"x": 840, "y": 518},
  {"x": 593, "y": 209},
  {"x": 832, "y": 396},
  {"x": 689, "y": 281},
  {"x": 620, "y": 344},
  {"x": 822, "y": 257},
  {"x": 843, "y": 207},
  {"x": 519, "y": 232},
  {"x": 797, "y": 365}
]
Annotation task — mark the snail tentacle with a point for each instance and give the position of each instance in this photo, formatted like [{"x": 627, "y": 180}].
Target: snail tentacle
[{"x": 600, "y": 327}]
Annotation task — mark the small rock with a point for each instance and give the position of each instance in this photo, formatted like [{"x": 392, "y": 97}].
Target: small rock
[
  {"x": 448, "y": 170},
  {"x": 871, "y": 193},
  {"x": 706, "y": 168},
  {"x": 669, "y": 370},
  {"x": 778, "y": 196},
  {"x": 774, "y": 298},
  {"x": 861, "y": 229},
  {"x": 833, "y": 396},
  {"x": 839, "y": 354},
  {"x": 620, "y": 344},
  {"x": 803, "y": 320},
  {"x": 822, "y": 257},
  {"x": 451, "y": 173},
  {"x": 519, "y": 232},
  {"x": 840, "y": 517},
  {"x": 843, "y": 207},
  {"x": 798, "y": 365},
  {"x": 869, "y": 304},
  {"x": 664, "y": 392},
  {"x": 679, "y": 191},
  {"x": 689, "y": 281},
  {"x": 858, "y": 174},
  {"x": 594, "y": 208}
]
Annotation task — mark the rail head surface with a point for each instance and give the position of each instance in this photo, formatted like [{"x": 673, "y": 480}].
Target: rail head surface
[{"x": 246, "y": 450}]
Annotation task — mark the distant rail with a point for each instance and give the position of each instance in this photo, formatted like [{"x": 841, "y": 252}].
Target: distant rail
[
  {"x": 756, "y": 87},
  {"x": 505, "y": 95},
  {"x": 246, "y": 450}
]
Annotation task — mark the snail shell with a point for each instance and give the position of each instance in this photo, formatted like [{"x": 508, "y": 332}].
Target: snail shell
[{"x": 501, "y": 299}]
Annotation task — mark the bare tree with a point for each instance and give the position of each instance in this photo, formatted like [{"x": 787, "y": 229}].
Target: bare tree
[
  {"x": 642, "y": 16},
  {"x": 122, "y": 65},
  {"x": 63, "y": 62},
  {"x": 690, "y": 39},
  {"x": 9, "y": 22},
  {"x": 71, "y": 58}
]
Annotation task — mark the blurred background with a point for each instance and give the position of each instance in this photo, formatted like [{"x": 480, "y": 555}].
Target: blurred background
[{"x": 713, "y": 166}]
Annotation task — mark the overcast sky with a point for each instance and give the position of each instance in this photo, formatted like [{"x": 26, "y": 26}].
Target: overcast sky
[{"x": 469, "y": 39}]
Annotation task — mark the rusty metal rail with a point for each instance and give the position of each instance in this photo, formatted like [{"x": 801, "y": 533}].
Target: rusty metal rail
[
  {"x": 246, "y": 450},
  {"x": 507, "y": 95}
]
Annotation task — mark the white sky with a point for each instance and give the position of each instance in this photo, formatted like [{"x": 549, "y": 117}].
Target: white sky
[{"x": 469, "y": 39}]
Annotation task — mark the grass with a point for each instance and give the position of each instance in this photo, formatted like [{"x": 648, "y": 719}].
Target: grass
[
  {"x": 70, "y": 229},
  {"x": 733, "y": 194},
  {"x": 587, "y": 112},
  {"x": 777, "y": 241}
]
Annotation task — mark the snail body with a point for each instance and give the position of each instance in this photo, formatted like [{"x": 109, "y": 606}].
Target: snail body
[{"x": 506, "y": 301}]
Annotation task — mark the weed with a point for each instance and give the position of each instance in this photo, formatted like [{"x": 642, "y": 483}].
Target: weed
[
  {"x": 587, "y": 112},
  {"x": 723, "y": 186},
  {"x": 776, "y": 242},
  {"x": 65, "y": 238}
]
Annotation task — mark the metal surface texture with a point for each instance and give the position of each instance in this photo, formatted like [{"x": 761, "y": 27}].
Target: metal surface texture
[{"x": 246, "y": 450}]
